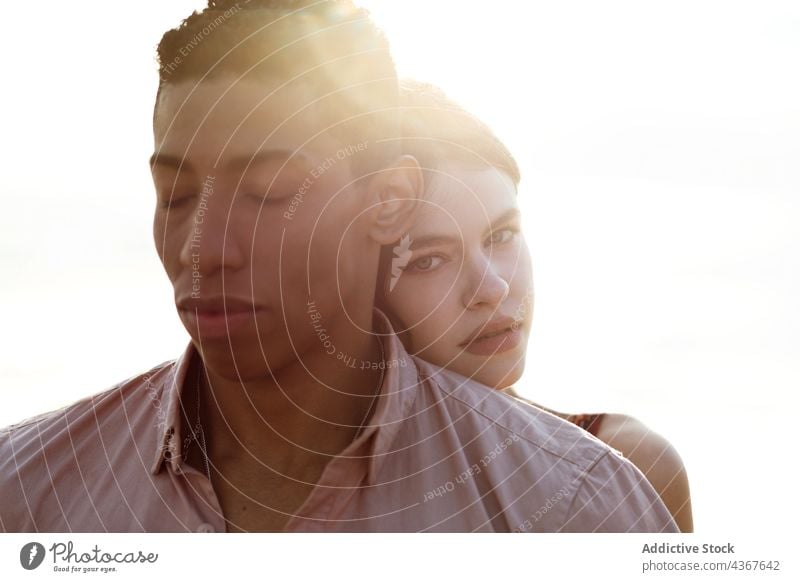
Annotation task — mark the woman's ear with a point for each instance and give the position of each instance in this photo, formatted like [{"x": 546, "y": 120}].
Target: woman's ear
[{"x": 396, "y": 191}]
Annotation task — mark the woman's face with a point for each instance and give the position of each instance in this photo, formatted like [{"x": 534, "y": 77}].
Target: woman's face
[{"x": 463, "y": 299}]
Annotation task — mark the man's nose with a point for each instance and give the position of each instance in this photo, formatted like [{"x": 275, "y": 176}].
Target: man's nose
[
  {"x": 214, "y": 237},
  {"x": 487, "y": 286}
]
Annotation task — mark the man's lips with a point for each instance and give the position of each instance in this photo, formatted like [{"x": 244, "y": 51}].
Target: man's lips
[
  {"x": 220, "y": 304},
  {"x": 217, "y": 316}
]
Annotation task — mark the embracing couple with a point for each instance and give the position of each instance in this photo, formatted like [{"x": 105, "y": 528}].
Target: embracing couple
[{"x": 346, "y": 255}]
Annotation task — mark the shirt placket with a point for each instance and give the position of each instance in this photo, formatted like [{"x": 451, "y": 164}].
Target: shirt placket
[{"x": 329, "y": 500}]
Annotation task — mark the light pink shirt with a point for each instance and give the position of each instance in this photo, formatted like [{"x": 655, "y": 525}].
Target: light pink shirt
[{"x": 441, "y": 453}]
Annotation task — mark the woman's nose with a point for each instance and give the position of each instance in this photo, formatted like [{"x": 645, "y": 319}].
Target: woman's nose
[{"x": 488, "y": 287}]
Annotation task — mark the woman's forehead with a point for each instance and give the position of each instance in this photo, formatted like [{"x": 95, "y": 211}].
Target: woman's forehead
[{"x": 465, "y": 199}]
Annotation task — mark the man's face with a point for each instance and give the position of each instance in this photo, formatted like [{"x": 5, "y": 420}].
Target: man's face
[{"x": 256, "y": 214}]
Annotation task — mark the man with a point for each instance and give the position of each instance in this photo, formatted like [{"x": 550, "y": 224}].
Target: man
[{"x": 295, "y": 407}]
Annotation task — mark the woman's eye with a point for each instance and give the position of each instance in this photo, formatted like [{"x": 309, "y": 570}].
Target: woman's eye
[
  {"x": 426, "y": 263},
  {"x": 499, "y": 237}
]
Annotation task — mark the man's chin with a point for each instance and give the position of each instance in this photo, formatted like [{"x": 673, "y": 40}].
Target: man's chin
[
  {"x": 219, "y": 329},
  {"x": 226, "y": 355}
]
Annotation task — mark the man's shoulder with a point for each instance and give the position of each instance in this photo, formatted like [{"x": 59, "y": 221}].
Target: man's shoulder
[
  {"x": 491, "y": 410},
  {"x": 44, "y": 426},
  {"x": 76, "y": 452}
]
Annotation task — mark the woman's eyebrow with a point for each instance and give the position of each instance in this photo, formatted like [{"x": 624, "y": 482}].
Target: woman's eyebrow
[
  {"x": 435, "y": 240},
  {"x": 510, "y": 214}
]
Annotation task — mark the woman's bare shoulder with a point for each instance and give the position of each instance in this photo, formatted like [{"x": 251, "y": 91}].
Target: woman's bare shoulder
[
  {"x": 632, "y": 437},
  {"x": 651, "y": 453},
  {"x": 654, "y": 456}
]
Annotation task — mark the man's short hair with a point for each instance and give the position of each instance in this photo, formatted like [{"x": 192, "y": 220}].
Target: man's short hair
[
  {"x": 437, "y": 130},
  {"x": 328, "y": 47}
]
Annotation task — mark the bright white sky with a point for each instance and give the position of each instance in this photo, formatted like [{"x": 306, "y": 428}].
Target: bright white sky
[{"x": 658, "y": 142}]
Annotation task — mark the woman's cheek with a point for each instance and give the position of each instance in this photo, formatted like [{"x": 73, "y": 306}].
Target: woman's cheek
[{"x": 404, "y": 304}]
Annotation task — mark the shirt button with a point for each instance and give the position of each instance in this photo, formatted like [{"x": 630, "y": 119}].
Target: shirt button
[{"x": 205, "y": 528}]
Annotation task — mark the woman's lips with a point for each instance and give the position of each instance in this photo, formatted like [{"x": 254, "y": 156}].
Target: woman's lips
[{"x": 495, "y": 342}]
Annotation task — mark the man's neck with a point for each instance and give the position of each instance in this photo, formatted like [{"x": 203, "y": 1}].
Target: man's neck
[{"x": 295, "y": 419}]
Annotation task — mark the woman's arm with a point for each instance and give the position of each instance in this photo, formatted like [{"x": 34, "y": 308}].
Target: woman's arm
[{"x": 654, "y": 456}]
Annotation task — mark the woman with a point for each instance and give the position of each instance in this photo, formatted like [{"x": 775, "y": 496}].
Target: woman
[{"x": 458, "y": 288}]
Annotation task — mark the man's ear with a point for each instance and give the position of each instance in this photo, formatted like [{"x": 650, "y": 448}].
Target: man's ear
[{"x": 396, "y": 191}]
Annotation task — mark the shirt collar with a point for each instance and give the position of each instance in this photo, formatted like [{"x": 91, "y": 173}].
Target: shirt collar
[
  {"x": 169, "y": 439},
  {"x": 400, "y": 384}
]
